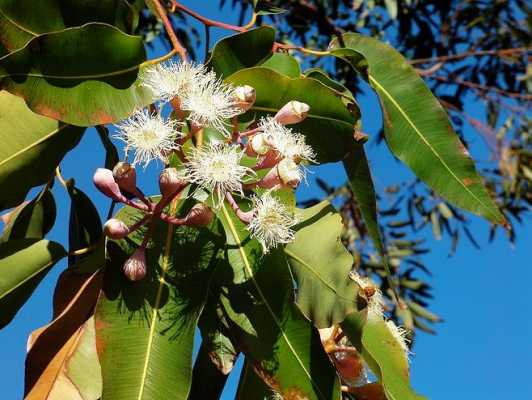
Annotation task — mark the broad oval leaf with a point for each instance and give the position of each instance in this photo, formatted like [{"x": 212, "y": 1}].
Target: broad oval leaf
[
  {"x": 382, "y": 352},
  {"x": 34, "y": 220},
  {"x": 23, "y": 264},
  {"x": 321, "y": 266},
  {"x": 416, "y": 127},
  {"x": 284, "y": 64},
  {"x": 145, "y": 329},
  {"x": 22, "y": 20},
  {"x": 329, "y": 125},
  {"x": 286, "y": 351},
  {"x": 242, "y": 50},
  {"x": 84, "y": 76},
  {"x": 32, "y": 147}
]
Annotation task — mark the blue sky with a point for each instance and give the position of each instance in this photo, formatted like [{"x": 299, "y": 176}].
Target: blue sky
[{"x": 483, "y": 350}]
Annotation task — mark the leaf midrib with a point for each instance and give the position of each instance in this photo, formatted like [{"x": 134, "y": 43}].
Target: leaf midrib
[
  {"x": 427, "y": 143},
  {"x": 261, "y": 294}
]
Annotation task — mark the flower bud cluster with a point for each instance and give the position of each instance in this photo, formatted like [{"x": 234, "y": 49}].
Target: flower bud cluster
[{"x": 265, "y": 157}]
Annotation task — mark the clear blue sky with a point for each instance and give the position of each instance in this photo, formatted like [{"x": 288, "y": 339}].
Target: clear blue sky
[{"x": 483, "y": 350}]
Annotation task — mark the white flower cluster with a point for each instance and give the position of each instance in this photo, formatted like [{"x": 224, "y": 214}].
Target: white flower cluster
[{"x": 201, "y": 100}]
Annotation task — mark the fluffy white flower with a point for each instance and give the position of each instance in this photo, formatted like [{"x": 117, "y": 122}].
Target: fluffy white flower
[
  {"x": 371, "y": 292},
  {"x": 272, "y": 222},
  {"x": 287, "y": 142},
  {"x": 400, "y": 335},
  {"x": 174, "y": 79},
  {"x": 211, "y": 103},
  {"x": 148, "y": 135},
  {"x": 216, "y": 167}
]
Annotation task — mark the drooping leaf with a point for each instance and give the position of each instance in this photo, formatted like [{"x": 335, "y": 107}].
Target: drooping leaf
[
  {"x": 250, "y": 386},
  {"x": 23, "y": 264},
  {"x": 286, "y": 351},
  {"x": 62, "y": 360},
  {"x": 84, "y": 75},
  {"x": 111, "y": 152},
  {"x": 264, "y": 7},
  {"x": 84, "y": 227},
  {"x": 34, "y": 220},
  {"x": 242, "y": 50},
  {"x": 284, "y": 64},
  {"x": 321, "y": 266},
  {"x": 208, "y": 380},
  {"x": 416, "y": 127},
  {"x": 329, "y": 125},
  {"x": 22, "y": 20},
  {"x": 145, "y": 329},
  {"x": 382, "y": 353},
  {"x": 32, "y": 147}
]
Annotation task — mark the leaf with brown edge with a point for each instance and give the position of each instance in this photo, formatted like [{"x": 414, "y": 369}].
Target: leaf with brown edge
[{"x": 62, "y": 361}]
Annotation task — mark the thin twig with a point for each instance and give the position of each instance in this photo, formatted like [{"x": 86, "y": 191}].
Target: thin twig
[
  {"x": 454, "y": 57},
  {"x": 178, "y": 47},
  {"x": 204, "y": 20}
]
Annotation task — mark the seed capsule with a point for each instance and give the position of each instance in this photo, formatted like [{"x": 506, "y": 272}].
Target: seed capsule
[
  {"x": 135, "y": 266},
  {"x": 170, "y": 182},
  {"x": 115, "y": 229},
  {"x": 199, "y": 215},
  {"x": 126, "y": 177}
]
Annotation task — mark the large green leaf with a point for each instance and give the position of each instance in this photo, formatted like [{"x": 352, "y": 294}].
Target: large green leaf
[
  {"x": 23, "y": 264},
  {"x": 416, "y": 127},
  {"x": 329, "y": 125},
  {"x": 84, "y": 76},
  {"x": 22, "y": 20},
  {"x": 382, "y": 352},
  {"x": 32, "y": 146},
  {"x": 286, "y": 351},
  {"x": 284, "y": 64},
  {"x": 145, "y": 329},
  {"x": 321, "y": 266},
  {"x": 34, "y": 220},
  {"x": 242, "y": 50}
]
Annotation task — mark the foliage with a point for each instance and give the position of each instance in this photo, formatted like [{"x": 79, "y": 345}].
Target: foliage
[{"x": 224, "y": 248}]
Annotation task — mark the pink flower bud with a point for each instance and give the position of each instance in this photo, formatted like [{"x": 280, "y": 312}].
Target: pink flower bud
[
  {"x": 271, "y": 180},
  {"x": 270, "y": 159},
  {"x": 115, "y": 229},
  {"x": 170, "y": 182},
  {"x": 199, "y": 215},
  {"x": 245, "y": 97},
  {"x": 104, "y": 181},
  {"x": 292, "y": 112},
  {"x": 126, "y": 177},
  {"x": 289, "y": 172},
  {"x": 135, "y": 266}
]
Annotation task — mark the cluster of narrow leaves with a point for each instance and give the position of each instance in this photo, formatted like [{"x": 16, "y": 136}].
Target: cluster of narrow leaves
[{"x": 126, "y": 310}]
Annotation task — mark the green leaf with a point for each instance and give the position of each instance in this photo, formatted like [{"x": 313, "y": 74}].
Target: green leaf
[
  {"x": 286, "y": 351},
  {"x": 242, "y": 50},
  {"x": 22, "y": 20},
  {"x": 284, "y": 64},
  {"x": 329, "y": 125},
  {"x": 321, "y": 266},
  {"x": 145, "y": 329},
  {"x": 416, "y": 127},
  {"x": 250, "y": 386},
  {"x": 23, "y": 264},
  {"x": 382, "y": 353},
  {"x": 32, "y": 147},
  {"x": 83, "y": 76},
  {"x": 208, "y": 380},
  {"x": 34, "y": 220},
  {"x": 111, "y": 152},
  {"x": 321, "y": 76},
  {"x": 264, "y": 7}
]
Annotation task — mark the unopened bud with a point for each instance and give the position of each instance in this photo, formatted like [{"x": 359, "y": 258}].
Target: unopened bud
[
  {"x": 259, "y": 145},
  {"x": 135, "y": 266},
  {"x": 271, "y": 180},
  {"x": 115, "y": 229},
  {"x": 199, "y": 215},
  {"x": 289, "y": 172},
  {"x": 103, "y": 179},
  {"x": 245, "y": 96},
  {"x": 292, "y": 112},
  {"x": 126, "y": 177},
  {"x": 170, "y": 182}
]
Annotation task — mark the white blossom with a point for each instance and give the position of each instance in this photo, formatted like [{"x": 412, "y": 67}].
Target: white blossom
[
  {"x": 211, "y": 104},
  {"x": 149, "y": 136},
  {"x": 174, "y": 79},
  {"x": 216, "y": 167},
  {"x": 287, "y": 142},
  {"x": 272, "y": 222},
  {"x": 400, "y": 335},
  {"x": 373, "y": 294}
]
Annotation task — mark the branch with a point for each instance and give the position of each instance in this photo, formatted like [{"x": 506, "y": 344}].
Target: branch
[
  {"x": 178, "y": 47},
  {"x": 204, "y": 20},
  {"x": 472, "y": 53}
]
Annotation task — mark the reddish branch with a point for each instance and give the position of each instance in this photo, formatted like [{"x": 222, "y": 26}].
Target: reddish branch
[
  {"x": 178, "y": 47},
  {"x": 472, "y": 53},
  {"x": 205, "y": 21}
]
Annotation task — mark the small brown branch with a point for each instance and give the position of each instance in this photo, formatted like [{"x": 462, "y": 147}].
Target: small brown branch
[
  {"x": 429, "y": 71},
  {"x": 453, "y": 80},
  {"x": 170, "y": 30},
  {"x": 472, "y": 53},
  {"x": 204, "y": 20}
]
